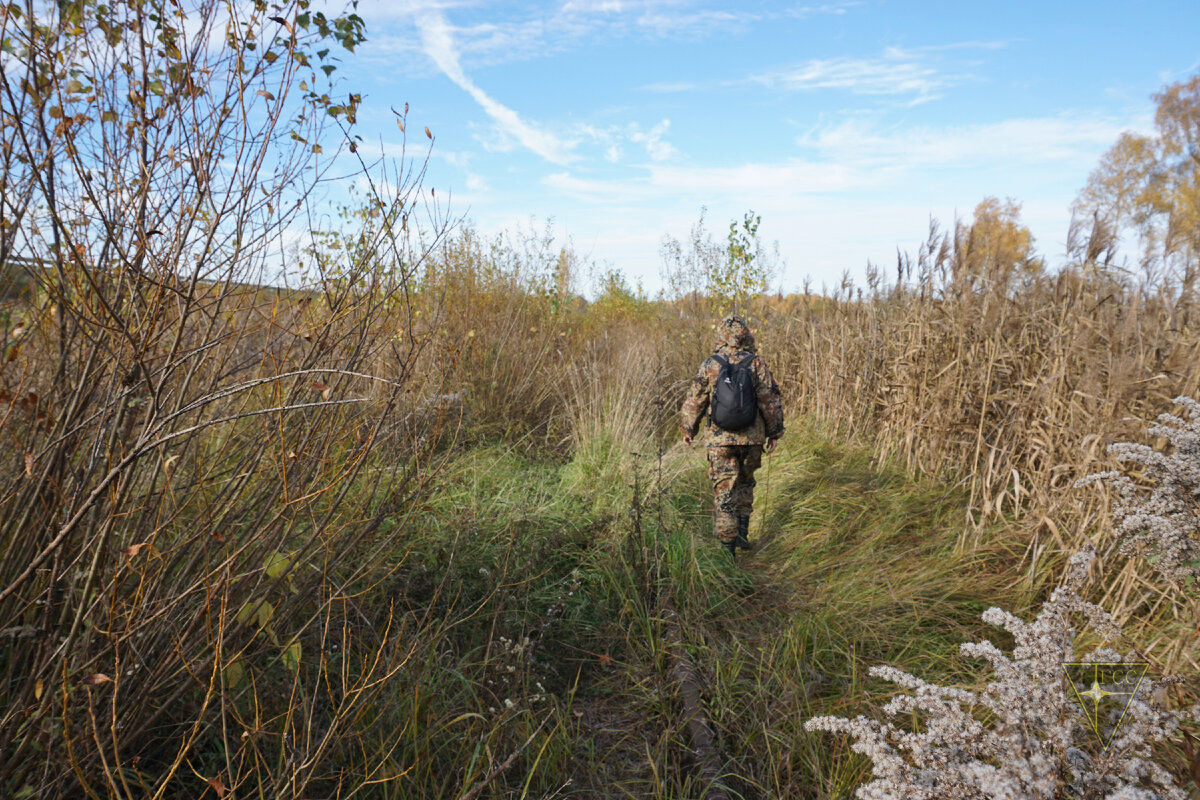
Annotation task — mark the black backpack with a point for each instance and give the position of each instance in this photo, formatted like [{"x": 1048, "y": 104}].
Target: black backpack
[{"x": 734, "y": 405}]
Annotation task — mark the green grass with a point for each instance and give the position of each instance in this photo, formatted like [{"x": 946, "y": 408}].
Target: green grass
[{"x": 856, "y": 566}]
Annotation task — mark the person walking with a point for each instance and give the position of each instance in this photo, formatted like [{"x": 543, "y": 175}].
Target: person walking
[{"x": 745, "y": 419}]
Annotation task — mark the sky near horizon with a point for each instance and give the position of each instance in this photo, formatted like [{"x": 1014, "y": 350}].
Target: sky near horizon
[{"x": 845, "y": 125}]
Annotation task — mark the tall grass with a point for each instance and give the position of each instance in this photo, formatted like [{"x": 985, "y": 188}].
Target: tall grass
[
  {"x": 417, "y": 529},
  {"x": 457, "y": 585},
  {"x": 1011, "y": 388}
]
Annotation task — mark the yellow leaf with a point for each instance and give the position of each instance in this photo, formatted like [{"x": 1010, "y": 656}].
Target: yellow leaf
[
  {"x": 37, "y": 689},
  {"x": 261, "y": 613},
  {"x": 291, "y": 656},
  {"x": 277, "y": 564},
  {"x": 235, "y": 673},
  {"x": 265, "y": 612}
]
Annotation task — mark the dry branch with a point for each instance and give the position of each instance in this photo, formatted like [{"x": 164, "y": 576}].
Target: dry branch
[{"x": 687, "y": 683}]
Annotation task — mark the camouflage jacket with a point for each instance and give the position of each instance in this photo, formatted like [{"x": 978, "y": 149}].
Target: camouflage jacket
[{"x": 767, "y": 425}]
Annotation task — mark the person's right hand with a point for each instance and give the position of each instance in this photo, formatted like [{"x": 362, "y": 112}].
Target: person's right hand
[{"x": 769, "y": 447}]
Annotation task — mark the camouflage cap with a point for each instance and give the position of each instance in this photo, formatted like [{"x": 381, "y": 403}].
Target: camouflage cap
[{"x": 735, "y": 333}]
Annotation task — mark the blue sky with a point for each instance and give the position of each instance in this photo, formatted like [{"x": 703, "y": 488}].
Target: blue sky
[{"x": 846, "y": 125}]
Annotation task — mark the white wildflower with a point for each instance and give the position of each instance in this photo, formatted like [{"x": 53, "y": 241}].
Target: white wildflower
[
  {"x": 1037, "y": 743},
  {"x": 1161, "y": 520}
]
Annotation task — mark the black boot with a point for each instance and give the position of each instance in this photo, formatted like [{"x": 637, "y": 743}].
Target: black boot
[
  {"x": 731, "y": 548},
  {"x": 743, "y": 532}
]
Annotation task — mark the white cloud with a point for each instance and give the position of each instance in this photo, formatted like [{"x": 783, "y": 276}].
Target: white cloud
[
  {"x": 656, "y": 148},
  {"x": 836, "y": 9},
  {"x": 757, "y": 183},
  {"x": 438, "y": 43},
  {"x": 408, "y": 8},
  {"x": 536, "y": 31},
  {"x": 596, "y": 191},
  {"x": 608, "y": 141},
  {"x": 491, "y": 42},
  {"x": 860, "y": 190},
  {"x": 677, "y": 23},
  {"x": 1077, "y": 139},
  {"x": 897, "y": 72},
  {"x": 1171, "y": 76},
  {"x": 593, "y": 7},
  {"x": 761, "y": 185}
]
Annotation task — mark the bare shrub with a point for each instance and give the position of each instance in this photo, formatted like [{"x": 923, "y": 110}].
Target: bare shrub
[{"x": 200, "y": 470}]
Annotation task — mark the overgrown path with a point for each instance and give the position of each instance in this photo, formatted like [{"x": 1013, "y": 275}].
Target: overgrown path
[
  {"x": 856, "y": 564},
  {"x": 586, "y": 616}
]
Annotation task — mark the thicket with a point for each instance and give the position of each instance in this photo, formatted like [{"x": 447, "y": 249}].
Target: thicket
[{"x": 200, "y": 473}]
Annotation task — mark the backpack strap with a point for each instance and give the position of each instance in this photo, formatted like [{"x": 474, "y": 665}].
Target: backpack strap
[
  {"x": 724, "y": 362},
  {"x": 746, "y": 362}
]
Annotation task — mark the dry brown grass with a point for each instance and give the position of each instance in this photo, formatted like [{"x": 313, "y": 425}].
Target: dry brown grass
[
  {"x": 979, "y": 370},
  {"x": 1011, "y": 387}
]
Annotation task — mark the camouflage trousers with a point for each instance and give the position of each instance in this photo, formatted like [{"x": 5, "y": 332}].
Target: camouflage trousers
[{"x": 731, "y": 470}]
